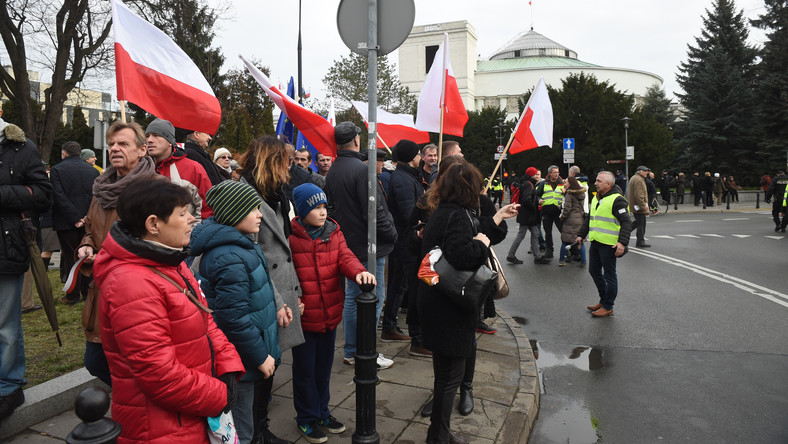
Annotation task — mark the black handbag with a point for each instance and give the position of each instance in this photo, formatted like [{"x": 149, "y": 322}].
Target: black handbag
[{"x": 466, "y": 288}]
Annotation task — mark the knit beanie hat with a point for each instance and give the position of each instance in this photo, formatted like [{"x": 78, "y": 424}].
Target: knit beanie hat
[
  {"x": 232, "y": 201},
  {"x": 221, "y": 151},
  {"x": 531, "y": 171},
  {"x": 86, "y": 154},
  {"x": 406, "y": 150},
  {"x": 163, "y": 128},
  {"x": 306, "y": 197}
]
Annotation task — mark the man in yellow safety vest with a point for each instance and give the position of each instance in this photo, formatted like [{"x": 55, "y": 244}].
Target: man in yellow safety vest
[
  {"x": 550, "y": 194},
  {"x": 607, "y": 227}
]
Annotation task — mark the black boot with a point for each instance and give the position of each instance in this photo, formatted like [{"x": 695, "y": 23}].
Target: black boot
[
  {"x": 266, "y": 437},
  {"x": 426, "y": 411},
  {"x": 46, "y": 262},
  {"x": 466, "y": 398}
]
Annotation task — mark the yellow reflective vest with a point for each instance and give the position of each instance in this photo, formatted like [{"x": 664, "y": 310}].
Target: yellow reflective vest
[
  {"x": 603, "y": 227},
  {"x": 553, "y": 196}
]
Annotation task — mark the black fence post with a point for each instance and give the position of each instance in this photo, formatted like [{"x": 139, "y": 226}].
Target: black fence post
[
  {"x": 676, "y": 201},
  {"x": 728, "y": 202},
  {"x": 757, "y": 200},
  {"x": 703, "y": 196},
  {"x": 366, "y": 358},
  {"x": 91, "y": 406}
]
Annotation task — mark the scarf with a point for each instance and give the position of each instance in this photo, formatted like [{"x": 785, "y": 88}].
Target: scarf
[
  {"x": 279, "y": 200},
  {"x": 108, "y": 186}
]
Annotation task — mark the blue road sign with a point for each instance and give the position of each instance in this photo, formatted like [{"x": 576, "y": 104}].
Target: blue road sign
[{"x": 569, "y": 144}]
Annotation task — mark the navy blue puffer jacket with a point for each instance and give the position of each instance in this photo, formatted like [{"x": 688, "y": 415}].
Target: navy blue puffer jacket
[{"x": 234, "y": 277}]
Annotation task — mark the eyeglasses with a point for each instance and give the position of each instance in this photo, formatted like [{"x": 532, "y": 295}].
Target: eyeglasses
[{"x": 225, "y": 157}]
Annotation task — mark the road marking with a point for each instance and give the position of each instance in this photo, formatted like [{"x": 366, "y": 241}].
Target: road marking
[
  {"x": 689, "y": 220},
  {"x": 775, "y": 237},
  {"x": 712, "y": 235},
  {"x": 749, "y": 287},
  {"x": 742, "y": 236},
  {"x": 738, "y": 218},
  {"x": 664, "y": 236},
  {"x": 689, "y": 235}
]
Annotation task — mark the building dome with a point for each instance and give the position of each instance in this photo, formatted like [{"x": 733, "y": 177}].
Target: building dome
[{"x": 532, "y": 44}]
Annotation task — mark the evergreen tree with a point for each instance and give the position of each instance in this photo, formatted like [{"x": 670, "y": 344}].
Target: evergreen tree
[
  {"x": 719, "y": 130},
  {"x": 773, "y": 84},
  {"x": 246, "y": 108}
]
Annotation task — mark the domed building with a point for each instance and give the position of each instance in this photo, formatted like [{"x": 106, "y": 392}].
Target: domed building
[{"x": 511, "y": 71}]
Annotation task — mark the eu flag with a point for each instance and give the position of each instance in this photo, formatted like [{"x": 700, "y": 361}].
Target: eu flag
[{"x": 284, "y": 126}]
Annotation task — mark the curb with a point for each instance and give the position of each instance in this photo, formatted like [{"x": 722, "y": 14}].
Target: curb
[{"x": 48, "y": 399}]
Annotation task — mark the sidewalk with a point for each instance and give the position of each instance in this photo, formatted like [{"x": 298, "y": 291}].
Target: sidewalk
[{"x": 506, "y": 392}]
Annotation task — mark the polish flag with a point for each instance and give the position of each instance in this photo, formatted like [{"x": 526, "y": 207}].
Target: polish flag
[
  {"x": 152, "y": 72},
  {"x": 315, "y": 127},
  {"x": 392, "y": 127},
  {"x": 440, "y": 91},
  {"x": 332, "y": 114},
  {"x": 535, "y": 127}
]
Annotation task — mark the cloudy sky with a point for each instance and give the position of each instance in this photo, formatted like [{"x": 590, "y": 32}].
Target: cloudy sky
[{"x": 646, "y": 35}]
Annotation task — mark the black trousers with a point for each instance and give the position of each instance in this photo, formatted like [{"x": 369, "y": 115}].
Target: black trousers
[
  {"x": 448, "y": 372},
  {"x": 641, "y": 229},
  {"x": 550, "y": 216},
  {"x": 69, "y": 244}
]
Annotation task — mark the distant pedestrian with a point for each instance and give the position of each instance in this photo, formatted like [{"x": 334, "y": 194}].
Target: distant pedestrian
[
  {"x": 697, "y": 188},
  {"x": 681, "y": 183},
  {"x": 708, "y": 188},
  {"x": 638, "y": 203},
  {"x": 607, "y": 229},
  {"x": 665, "y": 183},
  {"x": 733, "y": 189},
  {"x": 718, "y": 188},
  {"x": 777, "y": 189},
  {"x": 572, "y": 218},
  {"x": 528, "y": 219},
  {"x": 766, "y": 180},
  {"x": 550, "y": 196}
]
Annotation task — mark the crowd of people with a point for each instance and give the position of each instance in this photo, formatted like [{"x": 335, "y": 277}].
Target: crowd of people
[{"x": 235, "y": 262}]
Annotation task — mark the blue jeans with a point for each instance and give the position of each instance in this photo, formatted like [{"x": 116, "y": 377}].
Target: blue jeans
[
  {"x": 349, "y": 312},
  {"x": 12, "y": 344},
  {"x": 562, "y": 256},
  {"x": 603, "y": 257}
]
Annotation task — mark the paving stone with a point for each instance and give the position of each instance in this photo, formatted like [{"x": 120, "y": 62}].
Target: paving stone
[{"x": 58, "y": 426}]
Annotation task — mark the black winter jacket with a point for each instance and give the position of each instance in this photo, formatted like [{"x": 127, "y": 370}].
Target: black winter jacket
[
  {"x": 347, "y": 192},
  {"x": 196, "y": 153},
  {"x": 528, "y": 214},
  {"x": 72, "y": 185},
  {"x": 24, "y": 188},
  {"x": 404, "y": 190}
]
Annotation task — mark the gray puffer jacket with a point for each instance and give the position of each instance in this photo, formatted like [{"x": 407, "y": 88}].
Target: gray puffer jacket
[{"x": 572, "y": 215}]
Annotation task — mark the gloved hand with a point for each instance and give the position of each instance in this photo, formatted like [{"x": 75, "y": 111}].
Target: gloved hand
[
  {"x": 231, "y": 381},
  {"x": 768, "y": 200}
]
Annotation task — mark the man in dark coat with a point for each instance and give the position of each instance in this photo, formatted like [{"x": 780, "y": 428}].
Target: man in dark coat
[
  {"x": 72, "y": 184},
  {"x": 195, "y": 147},
  {"x": 664, "y": 186},
  {"x": 776, "y": 191},
  {"x": 347, "y": 189},
  {"x": 528, "y": 218},
  {"x": 697, "y": 187},
  {"x": 405, "y": 188},
  {"x": 24, "y": 190}
]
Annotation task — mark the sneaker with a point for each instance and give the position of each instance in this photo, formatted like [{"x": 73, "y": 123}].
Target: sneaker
[
  {"x": 395, "y": 335},
  {"x": 513, "y": 260},
  {"x": 9, "y": 403},
  {"x": 482, "y": 327},
  {"x": 349, "y": 361},
  {"x": 562, "y": 264},
  {"x": 312, "y": 433},
  {"x": 548, "y": 253},
  {"x": 384, "y": 363},
  {"x": 582, "y": 265},
  {"x": 418, "y": 350},
  {"x": 542, "y": 260},
  {"x": 331, "y": 425}
]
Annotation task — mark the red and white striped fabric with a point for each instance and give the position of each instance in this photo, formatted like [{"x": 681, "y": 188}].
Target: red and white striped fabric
[
  {"x": 152, "y": 72},
  {"x": 535, "y": 127},
  {"x": 392, "y": 127},
  {"x": 315, "y": 127},
  {"x": 440, "y": 90}
]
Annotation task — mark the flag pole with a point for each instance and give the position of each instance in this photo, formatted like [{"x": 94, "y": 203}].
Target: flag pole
[
  {"x": 384, "y": 143},
  {"x": 443, "y": 95},
  {"x": 123, "y": 111},
  {"x": 498, "y": 165}
]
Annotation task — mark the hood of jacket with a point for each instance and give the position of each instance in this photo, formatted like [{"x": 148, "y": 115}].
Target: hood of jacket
[
  {"x": 581, "y": 191},
  {"x": 329, "y": 227},
  {"x": 210, "y": 234}
]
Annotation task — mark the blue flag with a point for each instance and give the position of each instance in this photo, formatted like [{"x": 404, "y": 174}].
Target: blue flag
[
  {"x": 284, "y": 126},
  {"x": 301, "y": 142}
]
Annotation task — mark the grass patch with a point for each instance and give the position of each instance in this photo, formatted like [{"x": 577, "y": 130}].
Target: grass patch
[{"x": 44, "y": 359}]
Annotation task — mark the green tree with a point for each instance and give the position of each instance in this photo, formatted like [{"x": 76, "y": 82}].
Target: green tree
[
  {"x": 719, "y": 129},
  {"x": 773, "y": 84},
  {"x": 244, "y": 99},
  {"x": 348, "y": 79}
]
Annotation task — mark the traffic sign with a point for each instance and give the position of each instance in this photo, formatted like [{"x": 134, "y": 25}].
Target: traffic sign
[
  {"x": 498, "y": 156},
  {"x": 630, "y": 153},
  {"x": 569, "y": 157},
  {"x": 499, "y": 149},
  {"x": 569, "y": 144}
]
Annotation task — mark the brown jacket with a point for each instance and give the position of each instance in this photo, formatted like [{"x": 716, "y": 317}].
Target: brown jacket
[
  {"x": 572, "y": 215},
  {"x": 638, "y": 194}
]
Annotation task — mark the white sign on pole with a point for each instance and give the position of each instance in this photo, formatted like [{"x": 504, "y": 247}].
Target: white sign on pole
[
  {"x": 630, "y": 153},
  {"x": 498, "y": 156}
]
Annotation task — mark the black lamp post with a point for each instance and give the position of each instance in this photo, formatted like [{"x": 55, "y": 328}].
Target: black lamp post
[
  {"x": 626, "y": 144},
  {"x": 499, "y": 132}
]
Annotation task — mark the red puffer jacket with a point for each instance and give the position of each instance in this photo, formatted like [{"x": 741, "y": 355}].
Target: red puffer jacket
[
  {"x": 156, "y": 344},
  {"x": 318, "y": 264}
]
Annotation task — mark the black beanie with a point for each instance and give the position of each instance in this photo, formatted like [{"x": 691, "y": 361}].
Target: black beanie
[{"x": 406, "y": 150}]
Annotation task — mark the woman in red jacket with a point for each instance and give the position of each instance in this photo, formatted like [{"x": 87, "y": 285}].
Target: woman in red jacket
[{"x": 157, "y": 332}]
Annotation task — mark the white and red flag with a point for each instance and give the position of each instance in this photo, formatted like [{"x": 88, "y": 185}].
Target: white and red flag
[
  {"x": 152, "y": 72},
  {"x": 332, "y": 114},
  {"x": 315, "y": 127},
  {"x": 440, "y": 93},
  {"x": 535, "y": 127},
  {"x": 392, "y": 127}
]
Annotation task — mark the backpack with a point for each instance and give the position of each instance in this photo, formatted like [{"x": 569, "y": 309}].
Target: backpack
[{"x": 515, "y": 192}]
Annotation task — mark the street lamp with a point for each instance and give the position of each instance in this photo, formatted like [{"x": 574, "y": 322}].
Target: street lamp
[
  {"x": 499, "y": 131},
  {"x": 626, "y": 144}
]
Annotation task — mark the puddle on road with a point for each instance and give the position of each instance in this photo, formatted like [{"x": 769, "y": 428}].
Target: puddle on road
[
  {"x": 563, "y": 420},
  {"x": 582, "y": 357},
  {"x": 520, "y": 320}
]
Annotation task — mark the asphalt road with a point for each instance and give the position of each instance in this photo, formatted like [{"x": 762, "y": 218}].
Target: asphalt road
[{"x": 697, "y": 350}]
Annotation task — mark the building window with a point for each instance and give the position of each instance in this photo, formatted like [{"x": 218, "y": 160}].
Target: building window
[
  {"x": 429, "y": 52},
  {"x": 517, "y": 53}
]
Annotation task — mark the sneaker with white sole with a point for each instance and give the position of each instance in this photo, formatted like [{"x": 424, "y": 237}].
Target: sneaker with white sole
[
  {"x": 383, "y": 362},
  {"x": 312, "y": 433},
  {"x": 331, "y": 425}
]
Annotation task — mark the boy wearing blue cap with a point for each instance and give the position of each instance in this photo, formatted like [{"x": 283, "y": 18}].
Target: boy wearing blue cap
[{"x": 320, "y": 254}]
